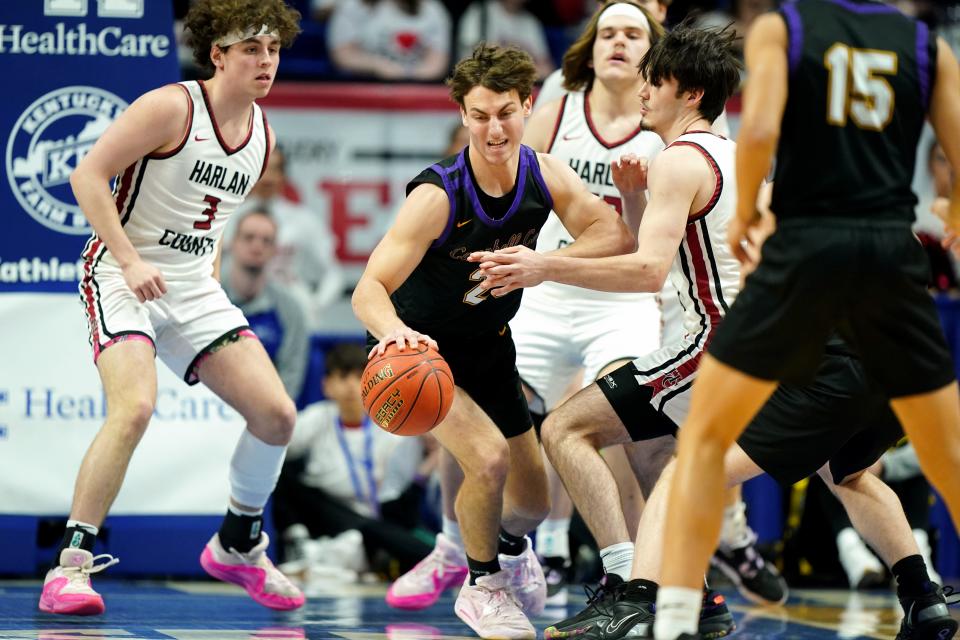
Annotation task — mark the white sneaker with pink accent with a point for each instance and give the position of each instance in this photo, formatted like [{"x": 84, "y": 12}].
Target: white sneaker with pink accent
[
  {"x": 421, "y": 587},
  {"x": 254, "y": 572},
  {"x": 67, "y": 590},
  {"x": 526, "y": 580},
  {"x": 492, "y": 611}
]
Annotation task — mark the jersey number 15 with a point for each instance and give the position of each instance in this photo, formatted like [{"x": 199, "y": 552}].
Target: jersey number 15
[{"x": 857, "y": 88}]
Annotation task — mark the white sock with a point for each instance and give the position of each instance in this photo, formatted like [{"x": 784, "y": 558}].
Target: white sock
[
  {"x": 678, "y": 611},
  {"x": 618, "y": 559},
  {"x": 451, "y": 529},
  {"x": 89, "y": 528},
  {"x": 553, "y": 538},
  {"x": 237, "y": 511},
  {"x": 734, "y": 533},
  {"x": 254, "y": 470}
]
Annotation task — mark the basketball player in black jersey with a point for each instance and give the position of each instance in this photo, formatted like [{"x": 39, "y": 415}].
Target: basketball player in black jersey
[
  {"x": 419, "y": 287},
  {"x": 854, "y": 90}
]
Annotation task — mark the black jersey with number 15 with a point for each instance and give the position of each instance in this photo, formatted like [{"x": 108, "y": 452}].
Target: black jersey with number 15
[
  {"x": 861, "y": 75},
  {"x": 442, "y": 296}
]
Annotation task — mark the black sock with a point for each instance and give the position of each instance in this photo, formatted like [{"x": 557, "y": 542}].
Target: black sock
[
  {"x": 75, "y": 537},
  {"x": 641, "y": 590},
  {"x": 479, "y": 568},
  {"x": 240, "y": 532},
  {"x": 510, "y": 544},
  {"x": 912, "y": 577}
]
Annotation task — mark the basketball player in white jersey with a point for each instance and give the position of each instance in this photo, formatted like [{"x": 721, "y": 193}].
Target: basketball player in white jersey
[
  {"x": 184, "y": 155},
  {"x": 682, "y": 235}
]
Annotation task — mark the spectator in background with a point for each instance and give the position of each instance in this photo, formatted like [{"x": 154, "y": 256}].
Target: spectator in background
[
  {"x": 942, "y": 268},
  {"x": 507, "y": 23},
  {"x": 276, "y": 316},
  {"x": 343, "y": 472},
  {"x": 742, "y": 15},
  {"x": 305, "y": 260},
  {"x": 391, "y": 39}
]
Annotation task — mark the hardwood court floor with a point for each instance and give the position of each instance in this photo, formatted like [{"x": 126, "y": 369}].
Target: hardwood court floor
[{"x": 209, "y": 611}]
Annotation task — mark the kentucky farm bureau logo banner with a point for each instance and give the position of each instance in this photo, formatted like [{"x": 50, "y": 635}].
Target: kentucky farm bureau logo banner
[{"x": 79, "y": 63}]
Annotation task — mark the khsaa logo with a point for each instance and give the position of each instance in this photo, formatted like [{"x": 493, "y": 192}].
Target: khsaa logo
[{"x": 47, "y": 142}]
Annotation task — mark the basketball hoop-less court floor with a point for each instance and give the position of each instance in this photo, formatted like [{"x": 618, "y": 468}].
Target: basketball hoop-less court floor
[{"x": 210, "y": 611}]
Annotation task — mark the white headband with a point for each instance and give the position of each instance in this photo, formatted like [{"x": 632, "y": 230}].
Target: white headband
[
  {"x": 627, "y": 10},
  {"x": 239, "y": 36}
]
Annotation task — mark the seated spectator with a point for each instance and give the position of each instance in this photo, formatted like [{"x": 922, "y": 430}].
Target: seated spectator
[
  {"x": 305, "y": 261},
  {"x": 274, "y": 314},
  {"x": 343, "y": 472},
  {"x": 504, "y": 22},
  {"x": 391, "y": 39},
  {"x": 742, "y": 15}
]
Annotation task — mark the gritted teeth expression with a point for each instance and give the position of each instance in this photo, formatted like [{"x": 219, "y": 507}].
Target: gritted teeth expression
[{"x": 495, "y": 121}]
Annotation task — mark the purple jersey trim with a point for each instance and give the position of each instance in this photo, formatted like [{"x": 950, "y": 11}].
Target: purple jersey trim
[
  {"x": 923, "y": 63},
  {"x": 472, "y": 191},
  {"x": 865, "y": 8},
  {"x": 794, "y": 34},
  {"x": 537, "y": 175},
  {"x": 450, "y": 186}
]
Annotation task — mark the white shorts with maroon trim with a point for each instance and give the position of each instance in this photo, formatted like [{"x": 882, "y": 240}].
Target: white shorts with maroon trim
[
  {"x": 651, "y": 395},
  {"x": 182, "y": 325}
]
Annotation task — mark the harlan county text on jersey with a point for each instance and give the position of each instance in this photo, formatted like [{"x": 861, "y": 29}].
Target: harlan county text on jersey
[{"x": 214, "y": 175}]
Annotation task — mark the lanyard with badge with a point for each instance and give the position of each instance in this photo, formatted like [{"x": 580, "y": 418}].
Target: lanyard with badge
[{"x": 367, "y": 462}]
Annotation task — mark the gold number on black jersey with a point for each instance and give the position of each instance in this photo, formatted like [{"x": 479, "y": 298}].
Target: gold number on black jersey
[
  {"x": 477, "y": 294},
  {"x": 857, "y": 88}
]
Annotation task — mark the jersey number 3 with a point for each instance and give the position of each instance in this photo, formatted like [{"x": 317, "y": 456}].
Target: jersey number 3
[
  {"x": 210, "y": 212},
  {"x": 857, "y": 88}
]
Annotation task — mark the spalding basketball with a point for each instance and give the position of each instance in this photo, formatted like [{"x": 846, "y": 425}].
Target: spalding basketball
[{"x": 407, "y": 392}]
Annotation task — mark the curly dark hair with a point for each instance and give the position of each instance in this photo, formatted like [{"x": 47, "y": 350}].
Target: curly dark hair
[
  {"x": 499, "y": 69},
  {"x": 209, "y": 20},
  {"x": 577, "y": 69},
  {"x": 697, "y": 59}
]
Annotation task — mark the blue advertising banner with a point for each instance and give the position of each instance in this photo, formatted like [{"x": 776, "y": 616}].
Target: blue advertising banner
[{"x": 78, "y": 64}]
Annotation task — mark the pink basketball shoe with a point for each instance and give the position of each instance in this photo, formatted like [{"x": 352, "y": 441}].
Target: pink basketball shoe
[
  {"x": 526, "y": 579},
  {"x": 67, "y": 590},
  {"x": 492, "y": 610},
  {"x": 254, "y": 572},
  {"x": 419, "y": 588}
]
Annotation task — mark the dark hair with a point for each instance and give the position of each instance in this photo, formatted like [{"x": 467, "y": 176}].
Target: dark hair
[
  {"x": 697, "y": 59},
  {"x": 344, "y": 358},
  {"x": 577, "y": 71},
  {"x": 209, "y": 20},
  {"x": 499, "y": 69}
]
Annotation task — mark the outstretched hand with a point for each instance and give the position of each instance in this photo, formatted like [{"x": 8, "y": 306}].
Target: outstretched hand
[
  {"x": 629, "y": 174},
  {"x": 509, "y": 269},
  {"x": 951, "y": 231}
]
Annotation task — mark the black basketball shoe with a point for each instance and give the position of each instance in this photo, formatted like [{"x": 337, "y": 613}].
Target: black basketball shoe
[
  {"x": 757, "y": 580},
  {"x": 598, "y": 610},
  {"x": 716, "y": 621},
  {"x": 926, "y": 617}
]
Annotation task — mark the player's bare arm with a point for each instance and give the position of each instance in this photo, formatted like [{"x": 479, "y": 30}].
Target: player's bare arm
[
  {"x": 630, "y": 176},
  {"x": 539, "y": 128},
  {"x": 420, "y": 221},
  {"x": 945, "y": 118},
  {"x": 764, "y": 100},
  {"x": 157, "y": 121},
  {"x": 679, "y": 182}
]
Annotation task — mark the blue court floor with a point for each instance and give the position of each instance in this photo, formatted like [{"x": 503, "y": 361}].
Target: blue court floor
[{"x": 208, "y": 611}]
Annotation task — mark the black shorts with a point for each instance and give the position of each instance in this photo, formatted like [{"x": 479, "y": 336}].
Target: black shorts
[
  {"x": 841, "y": 419},
  {"x": 485, "y": 366},
  {"x": 866, "y": 280}
]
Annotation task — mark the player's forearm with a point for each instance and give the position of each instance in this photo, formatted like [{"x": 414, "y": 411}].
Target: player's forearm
[
  {"x": 96, "y": 202},
  {"x": 754, "y": 153},
  {"x": 623, "y": 273},
  {"x": 608, "y": 237},
  {"x": 633, "y": 206},
  {"x": 372, "y": 307}
]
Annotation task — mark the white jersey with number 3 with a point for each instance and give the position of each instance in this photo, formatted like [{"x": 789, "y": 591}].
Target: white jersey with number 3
[{"x": 173, "y": 206}]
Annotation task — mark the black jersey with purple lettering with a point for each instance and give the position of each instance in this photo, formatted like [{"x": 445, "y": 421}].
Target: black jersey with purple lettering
[
  {"x": 442, "y": 296},
  {"x": 861, "y": 76}
]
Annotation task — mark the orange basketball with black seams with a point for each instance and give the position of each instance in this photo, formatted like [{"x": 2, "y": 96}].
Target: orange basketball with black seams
[{"x": 407, "y": 392}]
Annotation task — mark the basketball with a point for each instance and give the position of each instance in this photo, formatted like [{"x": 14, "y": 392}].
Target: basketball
[{"x": 407, "y": 392}]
